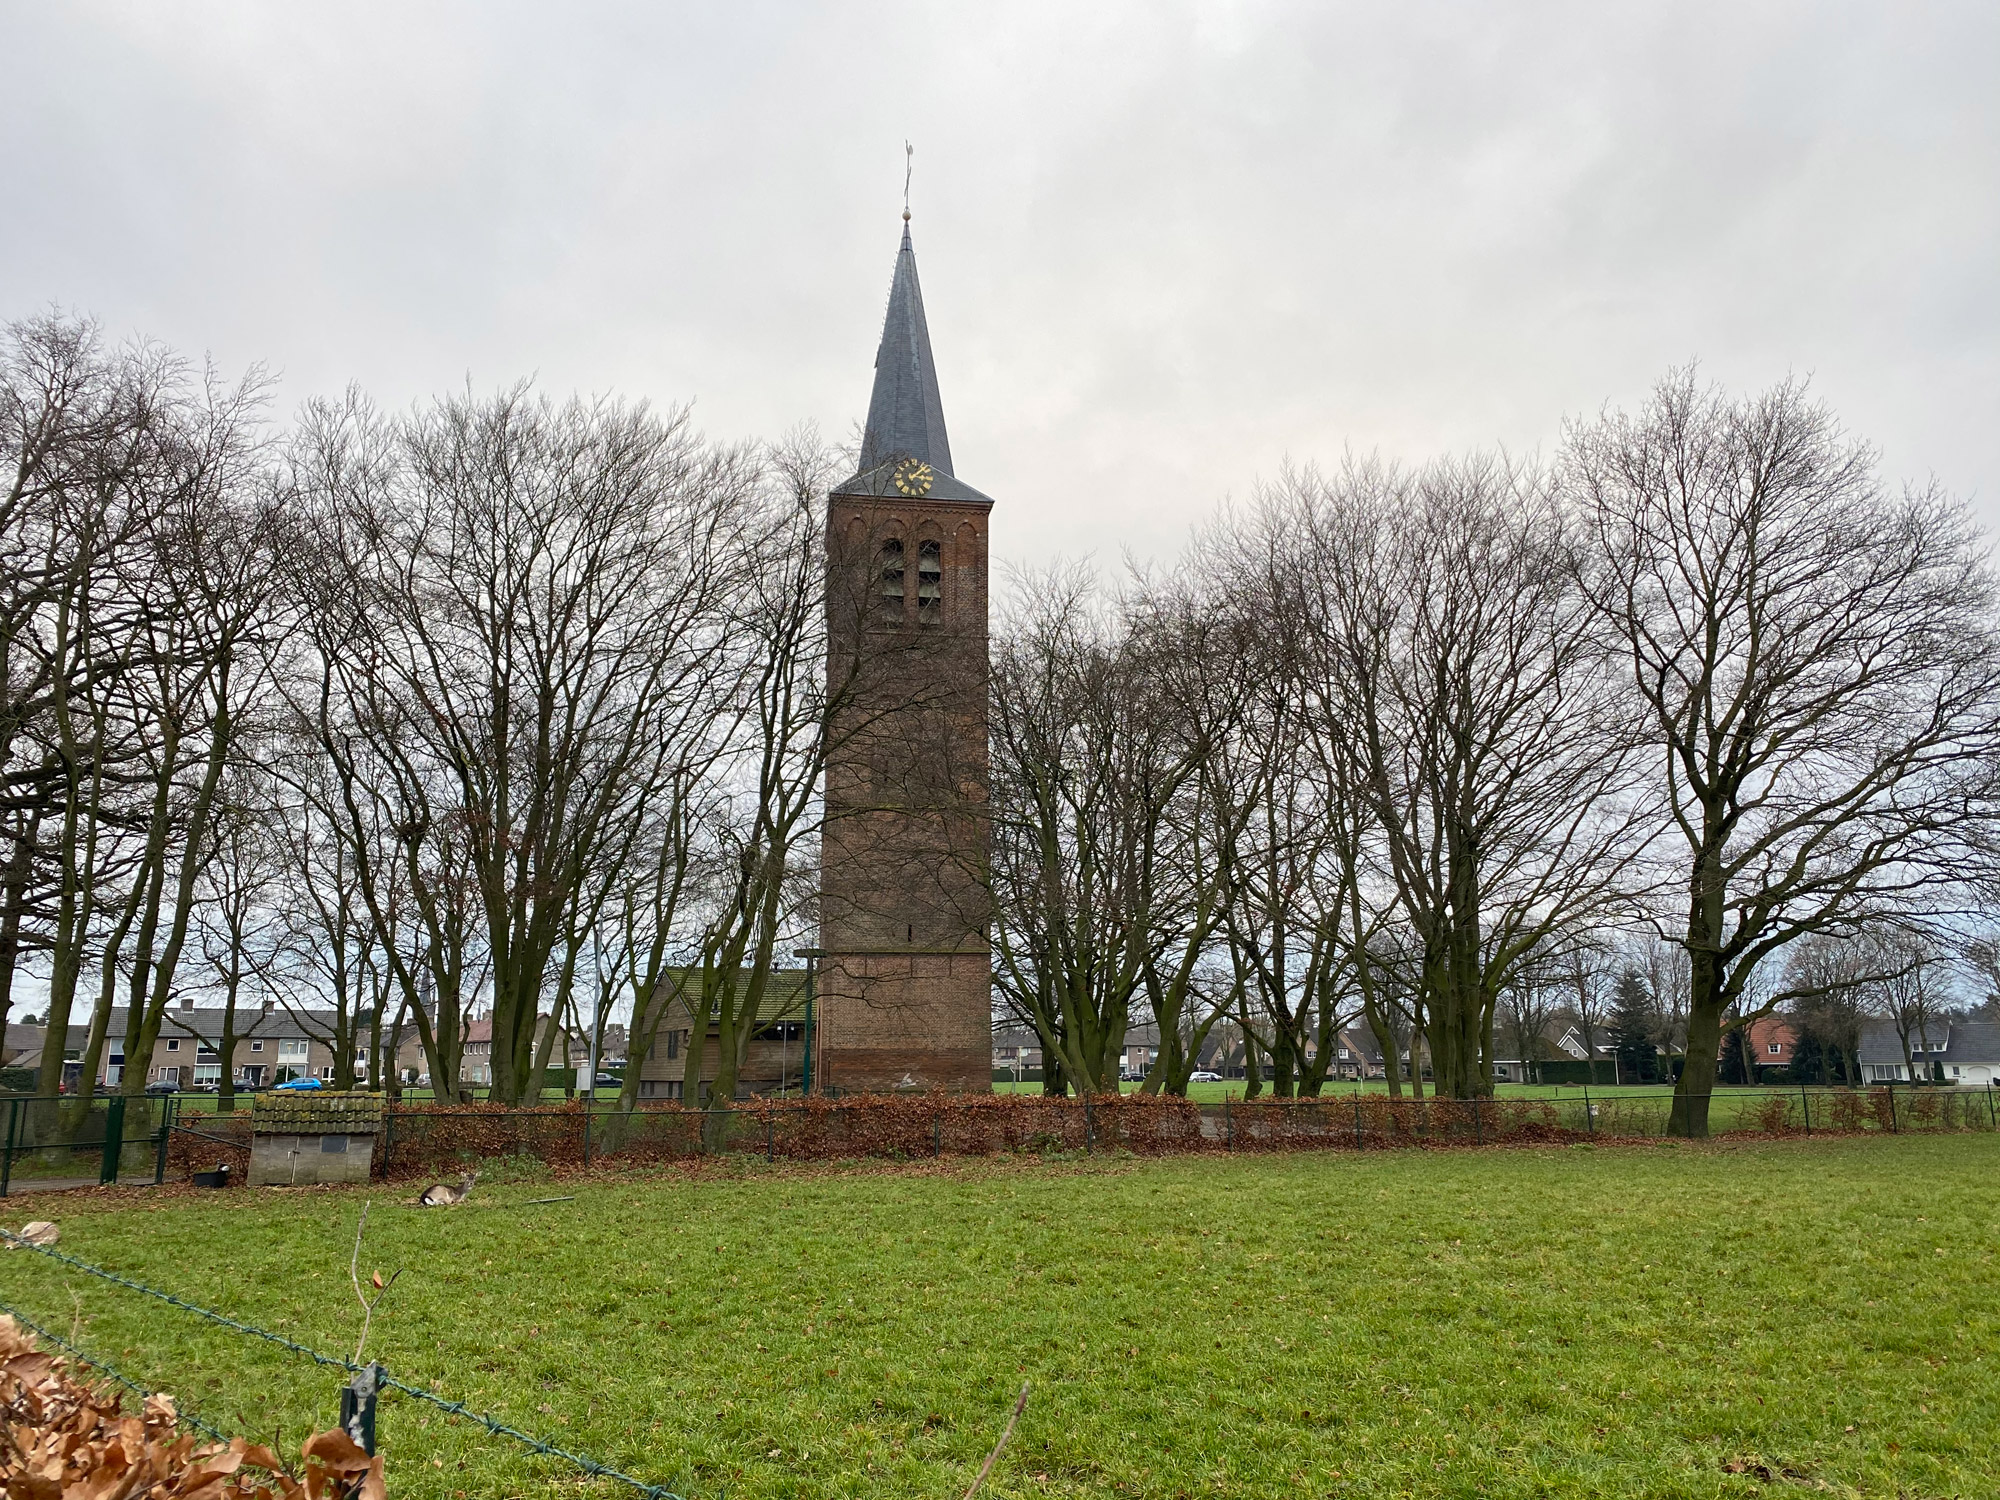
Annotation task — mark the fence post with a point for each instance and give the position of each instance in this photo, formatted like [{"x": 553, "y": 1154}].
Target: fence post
[
  {"x": 1892, "y": 1109},
  {"x": 1087, "y": 1123},
  {"x": 1805, "y": 1104},
  {"x": 1990, "y": 1120},
  {"x": 388, "y": 1135},
  {"x": 1228, "y": 1126},
  {"x": 13, "y": 1134},
  {"x": 357, "y": 1406},
  {"x": 166, "y": 1125},
  {"x": 770, "y": 1135},
  {"x": 1357, "y": 1118},
  {"x": 1589, "y": 1114},
  {"x": 114, "y": 1139},
  {"x": 586, "y": 1124}
]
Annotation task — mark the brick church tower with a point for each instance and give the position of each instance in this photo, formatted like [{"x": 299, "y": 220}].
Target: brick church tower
[{"x": 905, "y": 979}]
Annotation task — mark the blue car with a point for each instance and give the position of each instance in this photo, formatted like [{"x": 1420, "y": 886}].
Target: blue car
[{"x": 301, "y": 1083}]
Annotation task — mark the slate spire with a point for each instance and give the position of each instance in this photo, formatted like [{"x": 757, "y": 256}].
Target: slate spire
[{"x": 905, "y": 416}]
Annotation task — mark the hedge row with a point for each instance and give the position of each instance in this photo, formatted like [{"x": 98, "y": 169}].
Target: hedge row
[
  {"x": 431, "y": 1140},
  {"x": 434, "y": 1140}
]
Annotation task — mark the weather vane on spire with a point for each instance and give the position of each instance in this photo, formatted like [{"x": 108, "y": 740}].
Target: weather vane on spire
[{"x": 909, "y": 165}]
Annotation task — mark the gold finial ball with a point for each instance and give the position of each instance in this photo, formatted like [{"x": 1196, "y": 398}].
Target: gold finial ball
[{"x": 906, "y": 216}]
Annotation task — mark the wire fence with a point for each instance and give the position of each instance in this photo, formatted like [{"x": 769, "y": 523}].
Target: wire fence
[
  {"x": 49, "y": 1335},
  {"x": 376, "y": 1375},
  {"x": 141, "y": 1139},
  {"x": 442, "y": 1139},
  {"x": 69, "y": 1141}
]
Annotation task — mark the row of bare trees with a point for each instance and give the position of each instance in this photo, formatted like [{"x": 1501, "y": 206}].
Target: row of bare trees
[
  {"x": 519, "y": 706},
  {"x": 1402, "y": 745},
  {"x": 500, "y": 704}
]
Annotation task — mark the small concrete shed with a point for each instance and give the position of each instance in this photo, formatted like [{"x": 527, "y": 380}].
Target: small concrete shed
[{"x": 312, "y": 1135}]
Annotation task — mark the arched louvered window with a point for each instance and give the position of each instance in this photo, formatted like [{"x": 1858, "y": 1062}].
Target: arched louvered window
[
  {"x": 892, "y": 579},
  {"x": 930, "y": 583}
]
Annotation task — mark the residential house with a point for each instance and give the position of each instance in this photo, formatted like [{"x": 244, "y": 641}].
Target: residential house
[
  {"x": 1016, "y": 1049},
  {"x": 1961, "y": 1052},
  {"x": 1972, "y": 1053},
  {"x": 1769, "y": 1042},
  {"x": 22, "y": 1047},
  {"x": 775, "y": 1062},
  {"x": 271, "y": 1046}
]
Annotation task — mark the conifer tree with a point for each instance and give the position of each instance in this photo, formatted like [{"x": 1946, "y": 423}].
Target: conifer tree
[{"x": 1632, "y": 1030}]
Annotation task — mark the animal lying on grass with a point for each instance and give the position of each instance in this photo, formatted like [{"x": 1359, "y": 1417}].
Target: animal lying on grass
[{"x": 444, "y": 1195}]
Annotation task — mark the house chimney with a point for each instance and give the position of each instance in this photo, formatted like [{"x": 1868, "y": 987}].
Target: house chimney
[
  {"x": 268, "y": 1004},
  {"x": 187, "y": 1002}
]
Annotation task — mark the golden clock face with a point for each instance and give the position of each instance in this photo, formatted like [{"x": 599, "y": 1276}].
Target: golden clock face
[{"x": 913, "y": 477}]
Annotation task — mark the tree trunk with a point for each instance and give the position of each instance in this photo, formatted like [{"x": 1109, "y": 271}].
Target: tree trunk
[
  {"x": 1385, "y": 1039},
  {"x": 19, "y": 870},
  {"x": 1253, "y": 1074},
  {"x": 1689, "y": 1116}
]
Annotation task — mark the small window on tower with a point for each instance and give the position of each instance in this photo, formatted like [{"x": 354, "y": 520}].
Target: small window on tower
[
  {"x": 930, "y": 583},
  {"x": 892, "y": 579}
]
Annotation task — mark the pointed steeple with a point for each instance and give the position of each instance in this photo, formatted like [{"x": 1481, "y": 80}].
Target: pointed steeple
[
  {"x": 905, "y": 416},
  {"x": 904, "y": 450}
]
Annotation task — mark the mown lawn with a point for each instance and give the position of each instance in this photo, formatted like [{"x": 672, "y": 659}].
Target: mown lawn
[{"x": 1628, "y": 1320}]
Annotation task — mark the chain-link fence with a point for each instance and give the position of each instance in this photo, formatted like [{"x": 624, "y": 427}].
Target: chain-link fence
[{"x": 69, "y": 1142}]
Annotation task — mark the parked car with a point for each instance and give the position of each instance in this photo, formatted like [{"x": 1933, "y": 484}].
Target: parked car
[
  {"x": 301, "y": 1083},
  {"x": 1204, "y": 1077},
  {"x": 162, "y": 1086}
]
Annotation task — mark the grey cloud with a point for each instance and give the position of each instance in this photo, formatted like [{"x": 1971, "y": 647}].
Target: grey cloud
[{"x": 1163, "y": 246}]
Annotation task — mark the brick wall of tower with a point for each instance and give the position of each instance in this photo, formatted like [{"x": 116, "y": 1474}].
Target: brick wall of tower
[{"x": 905, "y": 991}]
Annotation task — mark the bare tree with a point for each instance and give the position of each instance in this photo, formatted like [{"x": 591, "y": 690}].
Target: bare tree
[
  {"x": 1817, "y": 661},
  {"x": 237, "y": 882},
  {"x": 1493, "y": 745},
  {"x": 1533, "y": 998},
  {"x": 1830, "y": 979},
  {"x": 1111, "y": 818},
  {"x": 787, "y": 698},
  {"x": 1588, "y": 975},
  {"x": 1910, "y": 988},
  {"x": 520, "y": 612}
]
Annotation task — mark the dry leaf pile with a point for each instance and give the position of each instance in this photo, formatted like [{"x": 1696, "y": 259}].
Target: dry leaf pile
[{"x": 64, "y": 1439}]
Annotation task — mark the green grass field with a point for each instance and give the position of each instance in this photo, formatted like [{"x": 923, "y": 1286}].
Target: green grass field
[{"x": 1626, "y": 1321}]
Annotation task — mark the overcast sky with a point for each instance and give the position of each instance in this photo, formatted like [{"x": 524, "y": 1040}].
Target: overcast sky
[{"x": 1164, "y": 247}]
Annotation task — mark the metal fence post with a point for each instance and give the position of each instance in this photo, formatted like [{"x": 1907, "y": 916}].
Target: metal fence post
[
  {"x": 1357, "y": 1118},
  {"x": 388, "y": 1135},
  {"x": 1991, "y": 1119},
  {"x": 770, "y": 1135},
  {"x": 1892, "y": 1109},
  {"x": 114, "y": 1139},
  {"x": 167, "y": 1109},
  {"x": 1805, "y": 1105},
  {"x": 357, "y": 1406},
  {"x": 13, "y": 1134},
  {"x": 586, "y": 1122},
  {"x": 1228, "y": 1126},
  {"x": 937, "y": 1134},
  {"x": 1589, "y": 1114}
]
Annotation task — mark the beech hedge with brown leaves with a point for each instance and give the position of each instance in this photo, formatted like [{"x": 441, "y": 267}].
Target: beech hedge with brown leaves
[{"x": 69, "y": 1439}]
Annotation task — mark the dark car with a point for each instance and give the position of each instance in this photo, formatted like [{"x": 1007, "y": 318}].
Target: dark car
[{"x": 160, "y": 1086}]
